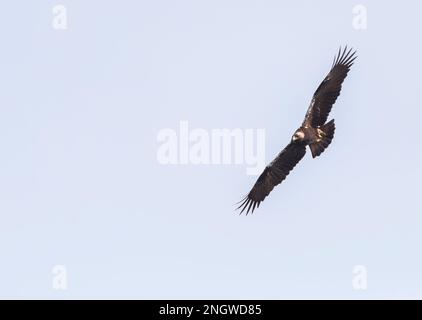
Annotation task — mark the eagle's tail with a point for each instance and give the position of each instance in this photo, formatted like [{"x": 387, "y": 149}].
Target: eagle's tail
[{"x": 326, "y": 133}]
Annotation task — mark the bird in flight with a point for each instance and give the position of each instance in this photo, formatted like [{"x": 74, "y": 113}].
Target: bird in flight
[{"x": 314, "y": 132}]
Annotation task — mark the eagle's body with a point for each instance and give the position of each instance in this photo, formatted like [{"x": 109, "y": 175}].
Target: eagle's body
[
  {"x": 309, "y": 134},
  {"x": 314, "y": 132}
]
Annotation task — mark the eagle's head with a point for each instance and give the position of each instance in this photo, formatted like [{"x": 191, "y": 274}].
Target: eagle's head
[{"x": 298, "y": 136}]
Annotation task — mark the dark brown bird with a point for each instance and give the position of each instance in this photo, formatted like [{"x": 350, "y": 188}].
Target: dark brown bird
[{"x": 314, "y": 132}]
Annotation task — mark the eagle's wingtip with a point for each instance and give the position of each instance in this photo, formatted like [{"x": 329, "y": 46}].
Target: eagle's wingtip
[
  {"x": 344, "y": 56},
  {"x": 248, "y": 205}
]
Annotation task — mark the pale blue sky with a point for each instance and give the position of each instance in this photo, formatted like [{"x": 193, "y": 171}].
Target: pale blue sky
[{"x": 80, "y": 185}]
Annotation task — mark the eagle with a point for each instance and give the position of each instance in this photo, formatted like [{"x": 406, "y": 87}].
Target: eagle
[{"x": 314, "y": 132}]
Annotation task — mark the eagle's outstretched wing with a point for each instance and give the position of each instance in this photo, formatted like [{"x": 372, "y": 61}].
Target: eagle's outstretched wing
[
  {"x": 329, "y": 89},
  {"x": 273, "y": 175}
]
